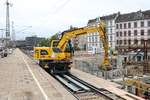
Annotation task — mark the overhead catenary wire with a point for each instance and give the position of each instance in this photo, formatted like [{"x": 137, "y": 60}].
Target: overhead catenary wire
[
  {"x": 61, "y": 6},
  {"x": 58, "y": 5},
  {"x": 57, "y": 10}
]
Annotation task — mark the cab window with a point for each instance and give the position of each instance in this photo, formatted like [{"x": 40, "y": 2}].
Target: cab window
[
  {"x": 56, "y": 50},
  {"x": 44, "y": 52},
  {"x": 36, "y": 51}
]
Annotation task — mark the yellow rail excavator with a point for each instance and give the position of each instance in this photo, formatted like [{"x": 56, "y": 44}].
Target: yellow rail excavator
[{"x": 57, "y": 59}]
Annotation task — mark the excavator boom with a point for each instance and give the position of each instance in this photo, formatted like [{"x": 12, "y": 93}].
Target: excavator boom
[{"x": 58, "y": 57}]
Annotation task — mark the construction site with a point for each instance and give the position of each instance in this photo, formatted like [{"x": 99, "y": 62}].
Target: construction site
[{"x": 108, "y": 58}]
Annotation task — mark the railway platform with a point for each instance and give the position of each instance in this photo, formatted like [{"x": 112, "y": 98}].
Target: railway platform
[{"x": 23, "y": 79}]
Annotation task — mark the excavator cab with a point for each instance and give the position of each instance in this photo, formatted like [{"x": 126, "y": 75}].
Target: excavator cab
[{"x": 68, "y": 52}]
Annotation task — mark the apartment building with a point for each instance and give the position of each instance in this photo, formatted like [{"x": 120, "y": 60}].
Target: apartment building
[
  {"x": 93, "y": 39},
  {"x": 132, "y": 30},
  {"x": 110, "y": 28},
  {"x": 79, "y": 42}
]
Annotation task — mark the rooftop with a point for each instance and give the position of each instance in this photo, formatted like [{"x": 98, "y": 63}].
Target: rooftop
[
  {"x": 108, "y": 17},
  {"x": 139, "y": 15},
  {"x": 92, "y": 21}
]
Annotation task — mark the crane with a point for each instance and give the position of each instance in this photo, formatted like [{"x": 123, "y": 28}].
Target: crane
[{"x": 57, "y": 59}]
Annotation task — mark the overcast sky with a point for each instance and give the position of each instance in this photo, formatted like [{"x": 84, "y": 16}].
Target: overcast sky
[{"x": 50, "y": 16}]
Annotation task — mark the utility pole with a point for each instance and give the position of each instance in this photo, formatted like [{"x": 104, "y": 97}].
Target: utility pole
[{"x": 7, "y": 23}]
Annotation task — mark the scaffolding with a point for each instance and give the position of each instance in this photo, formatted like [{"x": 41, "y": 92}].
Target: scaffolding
[{"x": 143, "y": 48}]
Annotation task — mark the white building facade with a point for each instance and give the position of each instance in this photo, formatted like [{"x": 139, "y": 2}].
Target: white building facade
[
  {"x": 132, "y": 29},
  {"x": 94, "y": 42},
  {"x": 110, "y": 28}
]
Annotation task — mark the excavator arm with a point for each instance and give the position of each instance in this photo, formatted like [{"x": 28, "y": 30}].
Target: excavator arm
[
  {"x": 67, "y": 35},
  {"x": 104, "y": 39},
  {"x": 55, "y": 58}
]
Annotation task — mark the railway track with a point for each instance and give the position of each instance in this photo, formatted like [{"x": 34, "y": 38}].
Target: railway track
[{"x": 84, "y": 91}]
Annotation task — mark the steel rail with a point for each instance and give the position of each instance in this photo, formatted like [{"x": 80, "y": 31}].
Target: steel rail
[{"x": 84, "y": 89}]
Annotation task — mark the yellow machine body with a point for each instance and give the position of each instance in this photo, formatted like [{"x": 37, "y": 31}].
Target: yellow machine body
[{"x": 48, "y": 53}]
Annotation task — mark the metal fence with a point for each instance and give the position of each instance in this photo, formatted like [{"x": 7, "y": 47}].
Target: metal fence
[{"x": 92, "y": 68}]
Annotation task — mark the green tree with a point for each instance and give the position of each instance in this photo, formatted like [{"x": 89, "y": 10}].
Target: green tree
[
  {"x": 47, "y": 41},
  {"x": 54, "y": 37},
  {"x": 44, "y": 42}
]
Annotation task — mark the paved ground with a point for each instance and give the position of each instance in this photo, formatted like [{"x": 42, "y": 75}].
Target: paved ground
[{"x": 22, "y": 79}]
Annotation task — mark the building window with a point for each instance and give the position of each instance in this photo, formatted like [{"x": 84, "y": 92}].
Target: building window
[
  {"x": 120, "y": 26},
  {"x": 129, "y": 42},
  {"x": 125, "y": 33},
  {"x": 117, "y": 42},
  {"x": 129, "y": 33},
  {"x": 92, "y": 38},
  {"x": 125, "y": 26},
  {"x": 117, "y": 34},
  {"x": 116, "y": 26},
  {"x": 89, "y": 38},
  {"x": 111, "y": 30},
  {"x": 120, "y": 33},
  {"x": 111, "y": 38},
  {"x": 135, "y": 24},
  {"x": 142, "y": 24},
  {"x": 125, "y": 42},
  {"x": 129, "y": 25},
  {"x": 142, "y": 32},
  {"x": 120, "y": 42},
  {"x": 95, "y": 44},
  {"x": 95, "y": 38},
  {"x": 135, "y": 32},
  {"x": 148, "y": 32},
  {"x": 148, "y": 23}
]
